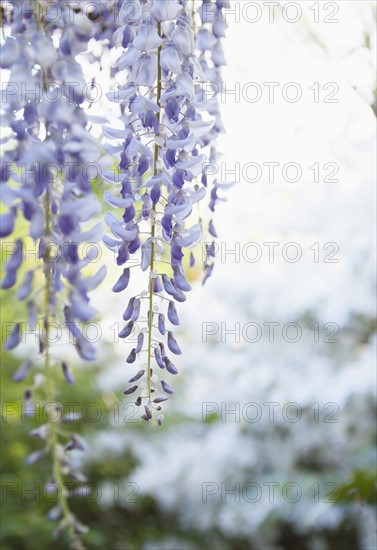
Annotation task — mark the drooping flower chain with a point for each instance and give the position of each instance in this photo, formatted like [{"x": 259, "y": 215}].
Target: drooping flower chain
[
  {"x": 212, "y": 59},
  {"x": 169, "y": 127},
  {"x": 166, "y": 131},
  {"x": 44, "y": 178}
]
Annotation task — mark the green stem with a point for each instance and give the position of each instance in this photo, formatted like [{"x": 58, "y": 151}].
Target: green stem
[
  {"x": 153, "y": 228},
  {"x": 48, "y": 367},
  {"x": 50, "y": 387}
]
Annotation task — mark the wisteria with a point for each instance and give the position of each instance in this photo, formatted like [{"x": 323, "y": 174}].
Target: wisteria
[
  {"x": 44, "y": 180},
  {"x": 168, "y": 121},
  {"x": 211, "y": 59},
  {"x": 178, "y": 372},
  {"x": 168, "y": 133}
]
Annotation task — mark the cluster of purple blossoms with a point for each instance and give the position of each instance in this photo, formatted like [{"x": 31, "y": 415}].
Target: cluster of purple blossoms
[
  {"x": 43, "y": 174},
  {"x": 167, "y": 136},
  {"x": 44, "y": 181},
  {"x": 212, "y": 59},
  {"x": 170, "y": 51}
]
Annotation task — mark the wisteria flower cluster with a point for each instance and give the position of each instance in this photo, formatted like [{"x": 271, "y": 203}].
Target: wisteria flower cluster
[
  {"x": 168, "y": 124},
  {"x": 169, "y": 128},
  {"x": 43, "y": 179}
]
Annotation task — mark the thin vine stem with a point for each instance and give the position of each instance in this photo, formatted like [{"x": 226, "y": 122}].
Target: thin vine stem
[
  {"x": 50, "y": 387},
  {"x": 53, "y": 441},
  {"x": 153, "y": 227}
]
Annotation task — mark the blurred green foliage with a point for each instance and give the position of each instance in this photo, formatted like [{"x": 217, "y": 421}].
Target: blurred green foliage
[
  {"x": 118, "y": 526},
  {"x": 26, "y": 527}
]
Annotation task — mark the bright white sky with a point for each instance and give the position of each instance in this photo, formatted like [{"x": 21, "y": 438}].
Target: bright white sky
[{"x": 304, "y": 132}]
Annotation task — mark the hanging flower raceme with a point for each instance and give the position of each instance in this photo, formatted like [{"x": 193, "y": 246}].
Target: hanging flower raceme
[
  {"x": 163, "y": 142},
  {"x": 212, "y": 59},
  {"x": 161, "y": 150},
  {"x": 44, "y": 179}
]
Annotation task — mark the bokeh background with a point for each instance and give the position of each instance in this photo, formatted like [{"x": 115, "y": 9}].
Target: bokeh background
[{"x": 147, "y": 482}]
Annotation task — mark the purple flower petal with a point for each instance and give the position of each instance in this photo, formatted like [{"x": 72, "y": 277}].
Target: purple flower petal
[
  {"x": 172, "y": 344},
  {"x": 122, "y": 282},
  {"x": 208, "y": 272},
  {"x": 147, "y": 38},
  {"x": 180, "y": 281},
  {"x": 169, "y": 288},
  {"x": 170, "y": 367},
  {"x": 172, "y": 314},
  {"x": 35, "y": 456},
  {"x": 167, "y": 389},
  {"x": 136, "y": 310},
  {"x": 146, "y": 253},
  {"x": 7, "y": 223},
  {"x": 164, "y": 10},
  {"x": 14, "y": 338},
  {"x": 170, "y": 60},
  {"x": 160, "y": 399},
  {"x": 212, "y": 230},
  {"x": 159, "y": 361},
  {"x": 179, "y": 296},
  {"x": 130, "y": 390},
  {"x": 155, "y": 193},
  {"x": 157, "y": 285},
  {"x": 140, "y": 342},
  {"x": 132, "y": 356},
  {"x": 161, "y": 323},
  {"x": 67, "y": 375},
  {"x": 137, "y": 376},
  {"x": 126, "y": 331},
  {"x": 85, "y": 349},
  {"x": 12, "y": 265},
  {"x": 129, "y": 310},
  {"x": 22, "y": 372}
]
